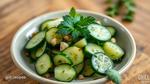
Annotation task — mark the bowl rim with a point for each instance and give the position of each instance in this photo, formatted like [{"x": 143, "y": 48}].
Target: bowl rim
[{"x": 42, "y": 79}]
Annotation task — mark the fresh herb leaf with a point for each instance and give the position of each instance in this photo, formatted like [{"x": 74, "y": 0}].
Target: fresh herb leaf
[
  {"x": 84, "y": 21},
  {"x": 130, "y": 7},
  {"x": 75, "y": 24},
  {"x": 72, "y": 12},
  {"x": 64, "y": 31},
  {"x": 113, "y": 10},
  {"x": 75, "y": 34},
  {"x": 116, "y": 6},
  {"x": 75, "y": 16},
  {"x": 85, "y": 33}
]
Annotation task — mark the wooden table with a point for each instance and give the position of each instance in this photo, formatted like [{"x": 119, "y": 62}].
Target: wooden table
[{"x": 14, "y": 13}]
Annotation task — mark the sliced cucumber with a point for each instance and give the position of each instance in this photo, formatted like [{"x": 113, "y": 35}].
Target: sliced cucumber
[
  {"x": 63, "y": 45},
  {"x": 43, "y": 64},
  {"x": 99, "y": 32},
  {"x": 81, "y": 43},
  {"x": 101, "y": 63},
  {"x": 75, "y": 54},
  {"x": 35, "y": 40},
  {"x": 88, "y": 70},
  {"x": 64, "y": 73},
  {"x": 92, "y": 48},
  {"x": 50, "y": 23},
  {"x": 40, "y": 50},
  {"x": 79, "y": 67},
  {"x": 52, "y": 37},
  {"x": 111, "y": 30},
  {"x": 55, "y": 52},
  {"x": 62, "y": 59},
  {"x": 33, "y": 55},
  {"x": 113, "y": 50}
]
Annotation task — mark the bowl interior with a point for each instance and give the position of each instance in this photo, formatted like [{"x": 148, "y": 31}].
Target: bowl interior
[{"x": 124, "y": 39}]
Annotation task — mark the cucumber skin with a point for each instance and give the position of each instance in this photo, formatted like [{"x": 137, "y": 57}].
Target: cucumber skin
[
  {"x": 66, "y": 58},
  {"x": 111, "y": 54},
  {"x": 88, "y": 54},
  {"x": 103, "y": 74},
  {"x": 80, "y": 70},
  {"x": 70, "y": 58},
  {"x": 51, "y": 34},
  {"x": 44, "y": 45},
  {"x": 91, "y": 68},
  {"x": 72, "y": 78},
  {"x": 111, "y": 30},
  {"x": 47, "y": 70},
  {"x": 38, "y": 43},
  {"x": 44, "y": 24},
  {"x": 81, "y": 43}
]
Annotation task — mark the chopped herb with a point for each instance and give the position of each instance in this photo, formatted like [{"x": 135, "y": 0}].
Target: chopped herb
[{"x": 75, "y": 24}]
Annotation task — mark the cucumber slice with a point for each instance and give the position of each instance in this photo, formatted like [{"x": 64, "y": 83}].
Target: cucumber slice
[
  {"x": 43, "y": 64},
  {"x": 64, "y": 73},
  {"x": 33, "y": 55},
  {"x": 75, "y": 54},
  {"x": 40, "y": 50},
  {"x": 111, "y": 30},
  {"x": 35, "y": 40},
  {"x": 99, "y": 32},
  {"x": 61, "y": 59},
  {"x": 79, "y": 67},
  {"x": 92, "y": 48},
  {"x": 63, "y": 45},
  {"x": 88, "y": 70},
  {"x": 101, "y": 63},
  {"x": 52, "y": 37},
  {"x": 81, "y": 43},
  {"x": 113, "y": 50},
  {"x": 50, "y": 23}
]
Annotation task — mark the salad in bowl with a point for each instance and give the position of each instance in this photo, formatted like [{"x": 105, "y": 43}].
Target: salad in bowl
[{"x": 74, "y": 47}]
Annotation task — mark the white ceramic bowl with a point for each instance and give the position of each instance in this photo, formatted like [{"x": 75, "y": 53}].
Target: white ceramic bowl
[{"x": 124, "y": 39}]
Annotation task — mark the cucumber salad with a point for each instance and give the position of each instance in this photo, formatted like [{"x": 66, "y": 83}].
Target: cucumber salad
[{"x": 74, "y": 47}]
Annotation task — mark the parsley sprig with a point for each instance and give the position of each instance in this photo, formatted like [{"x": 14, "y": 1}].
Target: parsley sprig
[{"x": 75, "y": 25}]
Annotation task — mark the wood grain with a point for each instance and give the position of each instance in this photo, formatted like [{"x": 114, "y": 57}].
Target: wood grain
[{"x": 15, "y": 13}]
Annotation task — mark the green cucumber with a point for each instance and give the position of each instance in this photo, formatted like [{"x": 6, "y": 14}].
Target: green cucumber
[
  {"x": 99, "y": 32},
  {"x": 33, "y": 55},
  {"x": 50, "y": 23},
  {"x": 79, "y": 67},
  {"x": 113, "y": 50},
  {"x": 35, "y": 40},
  {"x": 43, "y": 64},
  {"x": 88, "y": 70},
  {"x": 111, "y": 30},
  {"x": 75, "y": 54},
  {"x": 92, "y": 48},
  {"x": 61, "y": 59},
  {"x": 40, "y": 50},
  {"x": 81, "y": 43},
  {"x": 52, "y": 37},
  {"x": 63, "y": 45},
  {"x": 64, "y": 73},
  {"x": 101, "y": 63}
]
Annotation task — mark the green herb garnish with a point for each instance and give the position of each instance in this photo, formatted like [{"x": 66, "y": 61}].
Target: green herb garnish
[
  {"x": 75, "y": 24},
  {"x": 116, "y": 5},
  {"x": 114, "y": 76}
]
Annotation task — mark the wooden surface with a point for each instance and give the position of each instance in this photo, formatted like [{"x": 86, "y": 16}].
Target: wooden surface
[{"x": 14, "y": 13}]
